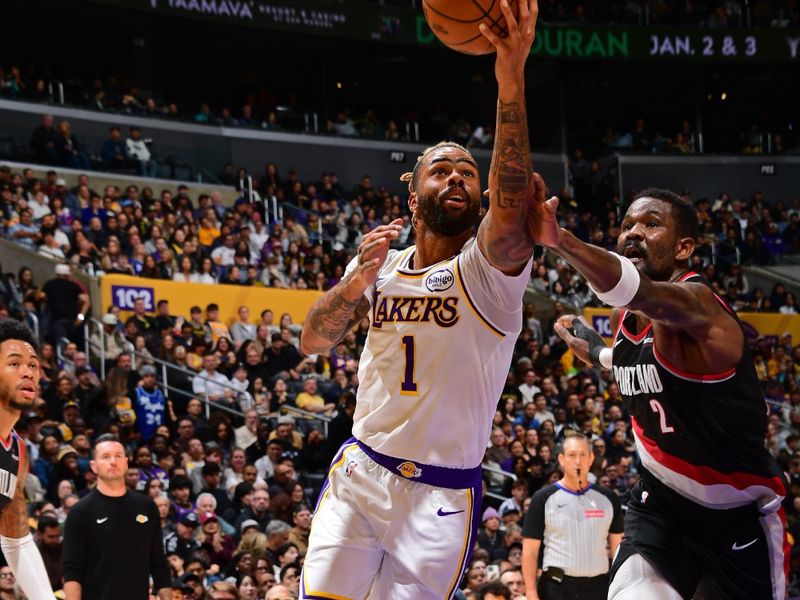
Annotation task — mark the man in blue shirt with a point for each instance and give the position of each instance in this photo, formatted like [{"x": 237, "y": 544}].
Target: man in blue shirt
[
  {"x": 114, "y": 152},
  {"x": 149, "y": 404},
  {"x": 25, "y": 233}
]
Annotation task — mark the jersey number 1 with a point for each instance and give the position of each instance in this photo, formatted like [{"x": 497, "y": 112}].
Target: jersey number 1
[{"x": 409, "y": 387}]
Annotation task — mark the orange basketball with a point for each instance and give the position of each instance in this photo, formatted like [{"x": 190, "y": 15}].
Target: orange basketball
[{"x": 455, "y": 22}]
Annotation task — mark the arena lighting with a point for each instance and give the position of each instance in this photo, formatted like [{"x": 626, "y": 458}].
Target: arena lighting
[
  {"x": 338, "y": 85},
  {"x": 724, "y": 96}
]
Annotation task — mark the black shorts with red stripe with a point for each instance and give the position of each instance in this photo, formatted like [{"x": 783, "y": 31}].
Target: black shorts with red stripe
[{"x": 733, "y": 554}]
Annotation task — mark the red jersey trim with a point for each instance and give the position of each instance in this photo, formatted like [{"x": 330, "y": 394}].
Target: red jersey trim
[
  {"x": 705, "y": 475},
  {"x": 22, "y": 448},
  {"x": 622, "y": 316},
  {"x": 686, "y": 375},
  {"x": 7, "y": 444},
  {"x": 635, "y": 338}
]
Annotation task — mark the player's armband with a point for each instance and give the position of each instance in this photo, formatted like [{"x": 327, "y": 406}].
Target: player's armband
[{"x": 626, "y": 288}]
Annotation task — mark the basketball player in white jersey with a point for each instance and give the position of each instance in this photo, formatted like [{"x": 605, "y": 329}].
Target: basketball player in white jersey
[
  {"x": 397, "y": 518},
  {"x": 19, "y": 387}
]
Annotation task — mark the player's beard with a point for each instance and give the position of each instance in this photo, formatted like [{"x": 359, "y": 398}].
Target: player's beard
[
  {"x": 657, "y": 264},
  {"x": 11, "y": 399},
  {"x": 440, "y": 221}
]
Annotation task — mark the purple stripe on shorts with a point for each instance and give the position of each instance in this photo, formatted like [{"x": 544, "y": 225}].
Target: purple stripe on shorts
[
  {"x": 454, "y": 479},
  {"x": 336, "y": 459}
]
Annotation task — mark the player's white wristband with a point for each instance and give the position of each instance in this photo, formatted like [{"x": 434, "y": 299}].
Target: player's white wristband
[
  {"x": 605, "y": 357},
  {"x": 626, "y": 288},
  {"x": 26, "y": 563}
]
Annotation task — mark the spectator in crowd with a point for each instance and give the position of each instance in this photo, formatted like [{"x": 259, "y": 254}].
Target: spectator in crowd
[
  {"x": 67, "y": 305},
  {"x": 258, "y": 511},
  {"x": 8, "y": 584},
  {"x": 114, "y": 151},
  {"x": 44, "y": 142},
  {"x": 311, "y": 401},
  {"x": 210, "y": 383},
  {"x": 68, "y": 151},
  {"x": 25, "y": 233},
  {"x": 138, "y": 150},
  {"x": 149, "y": 404},
  {"x": 50, "y": 546}
]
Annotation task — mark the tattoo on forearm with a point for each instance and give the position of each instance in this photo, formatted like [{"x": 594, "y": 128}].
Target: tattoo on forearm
[
  {"x": 332, "y": 316},
  {"x": 510, "y": 249},
  {"x": 512, "y": 164}
]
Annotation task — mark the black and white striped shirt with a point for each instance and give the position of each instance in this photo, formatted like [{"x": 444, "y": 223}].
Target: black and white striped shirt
[{"x": 574, "y": 527}]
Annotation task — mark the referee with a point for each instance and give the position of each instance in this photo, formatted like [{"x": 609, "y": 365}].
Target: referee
[
  {"x": 112, "y": 537},
  {"x": 575, "y": 520}
]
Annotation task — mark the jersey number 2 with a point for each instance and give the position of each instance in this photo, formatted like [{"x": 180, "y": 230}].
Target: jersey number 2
[
  {"x": 409, "y": 387},
  {"x": 662, "y": 416}
]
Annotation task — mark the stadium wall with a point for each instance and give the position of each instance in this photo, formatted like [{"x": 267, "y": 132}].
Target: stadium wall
[
  {"x": 210, "y": 147},
  {"x": 778, "y": 177}
]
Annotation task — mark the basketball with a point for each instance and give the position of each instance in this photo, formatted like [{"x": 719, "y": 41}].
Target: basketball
[{"x": 455, "y": 22}]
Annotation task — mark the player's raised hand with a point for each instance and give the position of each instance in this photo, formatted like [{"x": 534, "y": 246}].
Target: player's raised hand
[
  {"x": 542, "y": 220},
  {"x": 513, "y": 50},
  {"x": 374, "y": 249},
  {"x": 581, "y": 338}
]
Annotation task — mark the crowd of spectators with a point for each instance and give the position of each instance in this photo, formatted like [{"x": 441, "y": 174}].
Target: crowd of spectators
[
  {"x": 256, "y": 110},
  {"x": 642, "y": 138},
  {"x": 235, "y": 484}
]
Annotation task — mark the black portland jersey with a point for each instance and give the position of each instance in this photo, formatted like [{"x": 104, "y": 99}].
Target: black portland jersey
[
  {"x": 700, "y": 435},
  {"x": 10, "y": 457}
]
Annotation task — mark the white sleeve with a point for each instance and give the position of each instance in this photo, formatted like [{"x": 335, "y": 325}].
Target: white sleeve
[
  {"x": 26, "y": 563},
  {"x": 495, "y": 294},
  {"x": 198, "y": 385}
]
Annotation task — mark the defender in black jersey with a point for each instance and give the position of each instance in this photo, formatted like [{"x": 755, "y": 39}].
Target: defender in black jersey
[
  {"x": 705, "y": 521},
  {"x": 19, "y": 387}
]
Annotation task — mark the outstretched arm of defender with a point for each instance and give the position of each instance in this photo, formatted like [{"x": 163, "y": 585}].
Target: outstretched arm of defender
[
  {"x": 690, "y": 308},
  {"x": 336, "y": 312},
  {"x": 502, "y": 236},
  {"x": 18, "y": 546}
]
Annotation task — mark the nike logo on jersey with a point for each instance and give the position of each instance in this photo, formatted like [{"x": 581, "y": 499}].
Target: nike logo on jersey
[
  {"x": 617, "y": 343},
  {"x": 742, "y": 547},
  {"x": 444, "y": 513},
  {"x": 103, "y": 520}
]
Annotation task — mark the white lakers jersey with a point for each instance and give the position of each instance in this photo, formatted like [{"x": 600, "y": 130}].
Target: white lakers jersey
[{"x": 436, "y": 357}]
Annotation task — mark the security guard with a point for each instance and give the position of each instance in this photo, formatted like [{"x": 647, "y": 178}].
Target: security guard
[{"x": 577, "y": 522}]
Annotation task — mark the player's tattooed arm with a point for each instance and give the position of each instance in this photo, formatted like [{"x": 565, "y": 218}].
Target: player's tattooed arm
[
  {"x": 512, "y": 161},
  {"x": 338, "y": 311},
  {"x": 503, "y": 237},
  {"x": 331, "y": 317},
  {"x": 14, "y": 519}
]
